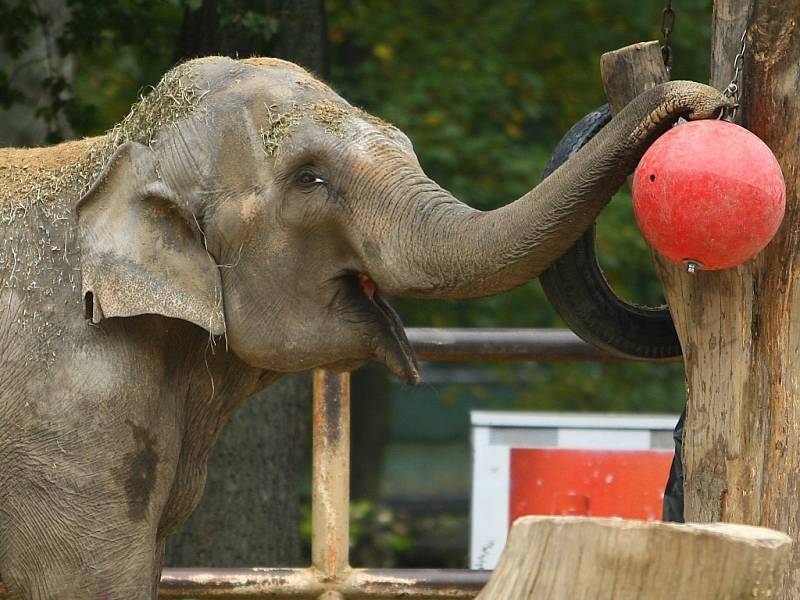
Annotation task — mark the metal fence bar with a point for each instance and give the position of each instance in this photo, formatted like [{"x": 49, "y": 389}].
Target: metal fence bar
[
  {"x": 202, "y": 583},
  {"x": 361, "y": 584},
  {"x": 414, "y": 583},
  {"x": 546, "y": 345},
  {"x": 330, "y": 491}
]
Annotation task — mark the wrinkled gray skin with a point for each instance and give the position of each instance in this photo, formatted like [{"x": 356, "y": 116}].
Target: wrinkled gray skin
[{"x": 155, "y": 278}]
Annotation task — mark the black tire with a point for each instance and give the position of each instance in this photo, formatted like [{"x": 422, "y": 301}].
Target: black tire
[{"x": 578, "y": 290}]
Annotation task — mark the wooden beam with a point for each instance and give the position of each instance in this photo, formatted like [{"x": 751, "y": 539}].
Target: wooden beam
[{"x": 578, "y": 558}]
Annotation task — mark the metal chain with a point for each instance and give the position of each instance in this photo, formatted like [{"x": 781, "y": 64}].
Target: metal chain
[
  {"x": 732, "y": 91},
  {"x": 667, "y": 27}
]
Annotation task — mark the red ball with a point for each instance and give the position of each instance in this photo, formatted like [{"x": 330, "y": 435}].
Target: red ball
[{"x": 709, "y": 193}]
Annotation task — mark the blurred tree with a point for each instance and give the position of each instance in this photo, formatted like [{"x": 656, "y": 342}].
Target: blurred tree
[
  {"x": 290, "y": 29},
  {"x": 35, "y": 77}
]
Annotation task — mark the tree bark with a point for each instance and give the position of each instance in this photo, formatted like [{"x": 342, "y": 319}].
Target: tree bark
[
  {"x": 294, "y": 30},
  {"x": 630, "y": 71},
  {"x": 303, "y": 35},
  {"x": 251, "y": 511},
  {"x": 739, "y": 328}
]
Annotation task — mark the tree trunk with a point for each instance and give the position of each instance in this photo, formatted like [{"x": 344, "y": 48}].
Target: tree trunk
[
  {"x": 295, "y": 30},
  {"x": 371, "y": 404},
  {"x": 739, "y": 328},
  {"x": 303, "y": 35},
  {"x": 250, "y": 512}
]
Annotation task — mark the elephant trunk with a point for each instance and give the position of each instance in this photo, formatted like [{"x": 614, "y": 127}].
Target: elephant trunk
[{"x": 440, "y": 248}]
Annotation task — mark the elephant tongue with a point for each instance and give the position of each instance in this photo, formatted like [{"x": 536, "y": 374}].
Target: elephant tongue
[
  {"x": 399, "y": 357},
  {"x": 367, "y": 286}
]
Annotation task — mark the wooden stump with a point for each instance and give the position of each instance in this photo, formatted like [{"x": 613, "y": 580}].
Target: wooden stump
[{"x": 578, "y": 558}]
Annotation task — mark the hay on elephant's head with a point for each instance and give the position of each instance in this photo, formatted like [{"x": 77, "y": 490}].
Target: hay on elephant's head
[
  {"x": 327, "y": 113},
  {"x": 279, "y": 125},
  {"x": 31, "y": 175},
  {"x": 172, "y": 99},
  {"x": 28, "y": 175}
]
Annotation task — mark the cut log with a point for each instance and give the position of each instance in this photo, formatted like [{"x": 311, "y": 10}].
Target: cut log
[
  {"x": 577, "y": 558},
  {"x": 631, "y": 70}
]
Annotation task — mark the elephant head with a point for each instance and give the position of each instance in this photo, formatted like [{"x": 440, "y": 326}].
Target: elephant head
[{"x": 250, "y": 199}]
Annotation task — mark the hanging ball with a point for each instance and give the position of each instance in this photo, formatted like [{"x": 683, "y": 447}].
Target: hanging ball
[{"x": 709, "y": 195}]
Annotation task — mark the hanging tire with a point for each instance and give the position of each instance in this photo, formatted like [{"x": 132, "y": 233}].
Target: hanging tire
[{"x": 578, "y": 290}]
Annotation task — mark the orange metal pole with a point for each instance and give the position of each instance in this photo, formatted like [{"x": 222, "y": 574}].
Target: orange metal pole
[{"x": 330, "y": 498}]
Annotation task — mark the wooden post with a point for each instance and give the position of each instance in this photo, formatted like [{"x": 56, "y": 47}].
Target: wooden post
[
  {"x": 630, "y": 71},
  {"x": 576, "y": 558},
  {"x": 740, "y": 328}
]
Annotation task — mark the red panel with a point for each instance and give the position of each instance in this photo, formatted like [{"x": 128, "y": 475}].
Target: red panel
[{"x": 597, "y": 483}]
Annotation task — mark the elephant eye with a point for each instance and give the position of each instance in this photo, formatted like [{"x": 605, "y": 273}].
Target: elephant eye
[{"x": 308, "y": 179}]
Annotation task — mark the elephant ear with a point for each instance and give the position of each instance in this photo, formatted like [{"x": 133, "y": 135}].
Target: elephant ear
[{"x": 141, "y": 253}]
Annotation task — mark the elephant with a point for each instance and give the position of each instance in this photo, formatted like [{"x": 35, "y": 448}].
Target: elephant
[{"x": 242, "y": 222}]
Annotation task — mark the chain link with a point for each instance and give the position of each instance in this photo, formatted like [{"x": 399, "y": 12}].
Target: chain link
[
  {"x": 667, "y": 27},
  {"x": 732, "y": 91}
]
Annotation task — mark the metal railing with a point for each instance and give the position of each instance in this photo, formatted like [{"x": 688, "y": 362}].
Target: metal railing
[{"x": 330, "y": 576}]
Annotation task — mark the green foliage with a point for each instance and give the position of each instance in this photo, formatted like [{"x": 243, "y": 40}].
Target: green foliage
[
  {"x": 120, "y": 48},
  {"x": 117, "y": 48},
  {"x": 378, "y": 536},
  {"x": 19, "y": 20}
]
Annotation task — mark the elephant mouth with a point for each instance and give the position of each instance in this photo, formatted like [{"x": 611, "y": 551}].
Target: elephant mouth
[{"x": 396, "y": 350}]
